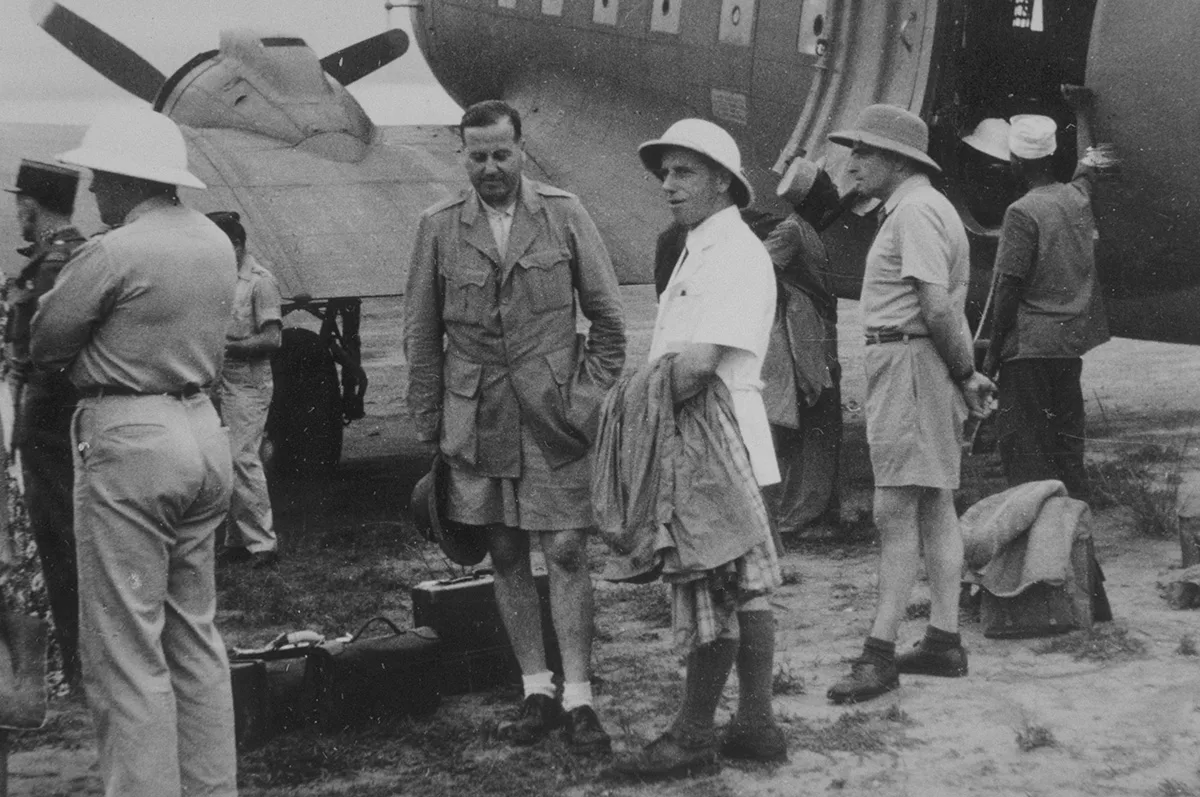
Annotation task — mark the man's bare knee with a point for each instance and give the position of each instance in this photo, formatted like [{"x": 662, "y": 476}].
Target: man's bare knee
[
  {"x": 566, "y": 552},
  {"x": 509, "y": 549}
]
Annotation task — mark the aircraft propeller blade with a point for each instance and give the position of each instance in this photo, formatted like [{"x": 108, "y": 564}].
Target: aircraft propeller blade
[
  {"x": 350, "y": 63},
  {"x": 98, "y": 50}
]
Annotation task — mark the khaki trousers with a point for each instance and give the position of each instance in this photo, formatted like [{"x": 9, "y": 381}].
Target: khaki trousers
[
  {"x": 244, "y": 393},
  {"x": 152, "y": 483}
]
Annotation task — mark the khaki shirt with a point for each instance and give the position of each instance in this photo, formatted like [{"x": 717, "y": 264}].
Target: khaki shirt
[
  {"x": 256, "y": 301},
  {"x": 144, "y": 306},
  {"x": 491, "y": 341}
]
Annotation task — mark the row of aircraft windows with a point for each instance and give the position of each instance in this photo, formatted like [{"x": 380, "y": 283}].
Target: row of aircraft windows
[{"x": 737, "y": 19}]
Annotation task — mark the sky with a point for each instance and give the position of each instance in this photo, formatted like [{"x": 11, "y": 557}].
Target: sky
[{"x": 41, "y": 82}]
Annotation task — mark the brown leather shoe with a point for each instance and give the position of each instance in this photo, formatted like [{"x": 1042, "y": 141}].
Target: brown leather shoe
[
  {"x": 584, "y": 733},
  {"x": 755, "y": 743},
  {"x": 670, "y": 756},
  {"x": 922, "y": 660},
  {"x": 538, "y": 716},
  {"x": 868, "y": 678}
]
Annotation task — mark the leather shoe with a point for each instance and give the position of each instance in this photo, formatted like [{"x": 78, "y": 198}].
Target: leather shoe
[
  {"x": 670, "y": 756},
  {"x": 538, "y": 716},
  {"x": 233, "y": 556},
  {"x": 868, "y": 678},
  {"x": 263, "y": 560},
  {"x": 755, "y": 743},
  {"x": 584, "y": 733},
  {"x": 923, "y": 660}
]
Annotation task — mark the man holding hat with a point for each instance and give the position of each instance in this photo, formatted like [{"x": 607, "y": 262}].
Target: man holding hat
[
  {"x": 714, "y": 317},
  {"x": 45, "y": 401},
  {"x": 501, "y": 381},
  {"x": 921, "y": 381},
  {"x": 1048, "y": 313},
  {"x": 137, "y": 321}
]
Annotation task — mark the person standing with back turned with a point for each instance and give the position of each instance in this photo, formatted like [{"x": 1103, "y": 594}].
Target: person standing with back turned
[
  {"x": 500, "y": 379},
  {"x": 921, "y": 382},
  {"x": 137, "y": 320}
]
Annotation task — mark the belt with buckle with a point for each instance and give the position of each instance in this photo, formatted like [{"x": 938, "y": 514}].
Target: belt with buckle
[
  {"x": 100, "y": 391},
  {"x": 892, "y": 337}
]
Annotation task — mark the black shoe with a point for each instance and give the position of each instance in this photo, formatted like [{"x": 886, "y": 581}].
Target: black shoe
[
  {"x": 755, "y": 743},
  {"x": 538, "y": 716},
  {"x": 670, "y": 756},
  {"x": 263, "y": 560},
  {"x": 868, "y": 678},
  {"x": 922, "y": 660},
  {"x": 584, "y": 733},
  {"x": 233, "y": 556}
]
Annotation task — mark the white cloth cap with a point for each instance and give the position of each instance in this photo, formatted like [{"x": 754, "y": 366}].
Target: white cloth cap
[{"x": 1032, "y": 137}]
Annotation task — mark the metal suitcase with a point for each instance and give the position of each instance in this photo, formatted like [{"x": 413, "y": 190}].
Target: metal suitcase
[{"x": 476, "y": 652}]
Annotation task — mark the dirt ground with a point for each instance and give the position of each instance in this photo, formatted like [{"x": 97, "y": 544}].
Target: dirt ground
[{"x": 1113, "y": 713}]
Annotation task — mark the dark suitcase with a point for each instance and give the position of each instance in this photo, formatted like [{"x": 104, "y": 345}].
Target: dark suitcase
[
  {"x": 251, "y": 720},
  {"x": 476, "y": 653},
  {"x": 1044, "y": 609},
  {"x": 284, "y": 663},
  {"x": 351, "y": 683}
]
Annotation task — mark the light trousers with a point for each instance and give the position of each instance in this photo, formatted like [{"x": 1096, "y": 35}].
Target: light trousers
[
  {"x": 244, "y": 393},
  {"x": 152, "y": 483}
]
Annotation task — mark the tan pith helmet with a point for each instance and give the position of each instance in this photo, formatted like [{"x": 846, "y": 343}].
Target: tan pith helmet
[
  {"x": 711, "y": 141},
  {"x": 135, "y": 142}
]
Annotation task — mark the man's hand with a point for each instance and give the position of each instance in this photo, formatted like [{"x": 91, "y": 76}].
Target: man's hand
[{"x": 980, "y": 394}]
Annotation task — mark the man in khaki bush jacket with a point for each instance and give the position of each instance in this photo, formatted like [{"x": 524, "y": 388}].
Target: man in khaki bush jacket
[{"x": 500, "y": 379}]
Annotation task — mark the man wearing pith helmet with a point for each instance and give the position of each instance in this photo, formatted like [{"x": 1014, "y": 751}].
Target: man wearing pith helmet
[
  {"x": 137, "y": 321},
  {"x": 921, "y": 383},
  {"x": 714, "y": 317}
]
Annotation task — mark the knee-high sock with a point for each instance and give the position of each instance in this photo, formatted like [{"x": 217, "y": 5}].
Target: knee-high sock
[
  {"x": 756, "y": 667},
  {"x": 707, "y": 671}
]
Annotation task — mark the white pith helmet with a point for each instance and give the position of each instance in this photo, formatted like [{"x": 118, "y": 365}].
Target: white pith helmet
[
  {"x": 708, "y": 139},
  {"x": 135, "y": 142}
]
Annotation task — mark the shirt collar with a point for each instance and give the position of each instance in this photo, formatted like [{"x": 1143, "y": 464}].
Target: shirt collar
[
  {"x": 714, "y": 228},
  {"x": 146, "y": 206},
  {"x": 904, "y": 189}
]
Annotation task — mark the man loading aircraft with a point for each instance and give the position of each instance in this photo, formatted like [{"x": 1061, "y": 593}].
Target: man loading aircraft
[{"x": 500, "y": 380}]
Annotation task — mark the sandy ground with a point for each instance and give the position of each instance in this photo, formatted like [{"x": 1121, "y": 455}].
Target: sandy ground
[{"x": 1126, "y": 725}]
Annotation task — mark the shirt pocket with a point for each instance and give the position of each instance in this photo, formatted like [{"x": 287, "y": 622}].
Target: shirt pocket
[
  {"x": 460, "y": 410},
  {"x": 468, "y": 295},
  {"x": 546, "y": 279}
]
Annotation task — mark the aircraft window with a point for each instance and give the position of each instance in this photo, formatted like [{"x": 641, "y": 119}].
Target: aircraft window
[
  {"x": 552, "y": 8},
  {"x": 282, "y": 41},
  {"x": 737, "y": 22},
  {"x": 506, "y": 3},
  {"x": 664, "y": 16},
  {"x": 813, "y": 38},
  {"x": 604, "y": 12},
  {"x": 1028, "y": 14}
]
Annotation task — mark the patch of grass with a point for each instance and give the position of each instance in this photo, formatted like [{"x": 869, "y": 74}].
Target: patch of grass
[
  {"x": 1187, "y": 646},
  {"x": 894, "y": 713},
  {"x": 1128, "y": 482},
  {"x": 791, "y": 577},
  {"x": 917, "y": 610},
  {"x": 68, "y": 727},
  {"x": 787, "y": 682},
  {"x": 1031, "y": 737},
  {"x": 648, "y": 603},
  {"x": 853, "y": 732},
  {"x": 1173, "y": 788},
  {"x": 1104, "y": 642}
]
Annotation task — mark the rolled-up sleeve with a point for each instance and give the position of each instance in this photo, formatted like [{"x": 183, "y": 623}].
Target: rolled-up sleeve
[
  {"x": 69, "y": 311},
  {"x": 423, "y": 334},
  {"x": 599, "y": 299}
]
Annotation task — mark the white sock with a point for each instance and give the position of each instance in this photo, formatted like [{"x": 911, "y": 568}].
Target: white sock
[
  {"x": 540, "y": 683},
  {"x": 576, "y": 695}
]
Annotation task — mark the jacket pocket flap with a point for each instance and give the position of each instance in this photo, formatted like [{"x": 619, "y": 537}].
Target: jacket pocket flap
[
  {"x": 562, "y": 364},
  {"x": 462, "y": 378},
  {"x": 476, "y": 277},
  {"x": 543, "y": 258}
]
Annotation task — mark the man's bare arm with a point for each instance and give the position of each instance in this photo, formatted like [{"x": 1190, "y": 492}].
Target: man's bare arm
[{"x": 953, "y": 344}]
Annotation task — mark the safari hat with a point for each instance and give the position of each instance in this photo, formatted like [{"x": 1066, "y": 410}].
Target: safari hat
[
  {"x": 50, "y": 184},
  {"x": 711, "y": 141},
  {"x": 991, "y": 138},
  {"x": 1032, "y": 136},
  {"x": 891, "y": 128},
  {"x": 138, "y": 143},
  {"x": 798, "y": 180},
  {"x": 462, "y": 544}
]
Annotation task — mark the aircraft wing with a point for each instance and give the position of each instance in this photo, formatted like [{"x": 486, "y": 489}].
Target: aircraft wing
[{"x": 325, "y": 228}]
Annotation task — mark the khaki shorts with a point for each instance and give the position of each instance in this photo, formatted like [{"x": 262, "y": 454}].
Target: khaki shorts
[
  {"x": 542, "y": 499},
  {"x": 915, "y": 415}
]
